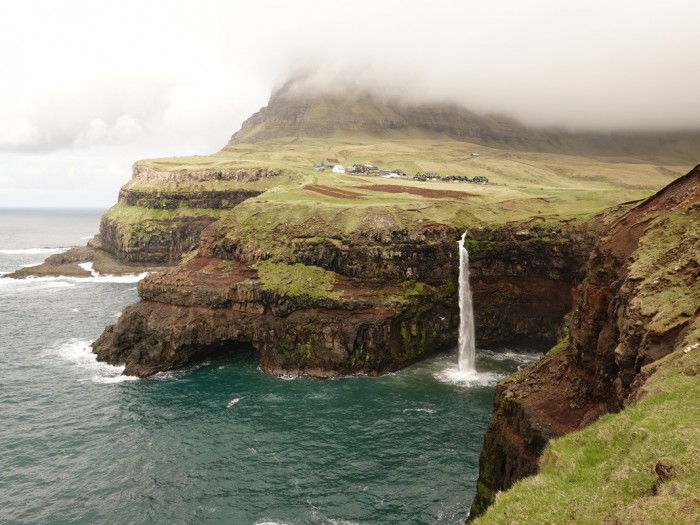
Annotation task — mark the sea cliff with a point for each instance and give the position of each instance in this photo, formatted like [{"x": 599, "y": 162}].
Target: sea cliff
[
  {"x": 372, "y": 300},
  {"x": 639, "y": 302},
  {"x": 159, "y": 217}
]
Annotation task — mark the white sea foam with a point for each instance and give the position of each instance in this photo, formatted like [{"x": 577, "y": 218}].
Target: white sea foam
[
  {"x": 109, "y": 278},
  {"x": 112, "y": 380},
  {"x": 42, "y": 283},
  {"x": 170, "y": 375},
  {"x": 79, "y": 354},
  {"x": 233, "y": 402},
  {"x": 71, "y": 281},
  {"x": 426, "y": 410},
  {"x": 87, "y": 266},
  {"x": 511, "y": 355},
  {"x": 31, "y": 251},
  {"x": 455, "y": 376}
]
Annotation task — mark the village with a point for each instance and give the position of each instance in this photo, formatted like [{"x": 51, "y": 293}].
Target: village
[{"x": 370, "y": 170}]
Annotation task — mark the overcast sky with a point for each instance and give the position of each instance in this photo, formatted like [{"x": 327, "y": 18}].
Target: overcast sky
[{"x": 89, "y": 87}]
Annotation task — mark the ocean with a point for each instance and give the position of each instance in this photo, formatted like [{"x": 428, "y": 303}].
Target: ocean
[{"x": 220, "y": 442}]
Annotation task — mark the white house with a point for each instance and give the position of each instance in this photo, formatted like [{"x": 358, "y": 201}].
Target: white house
[{"x": 338, "y": 168}]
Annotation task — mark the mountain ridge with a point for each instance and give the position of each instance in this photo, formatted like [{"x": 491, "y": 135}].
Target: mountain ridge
[{"x": 290, "y": 113}]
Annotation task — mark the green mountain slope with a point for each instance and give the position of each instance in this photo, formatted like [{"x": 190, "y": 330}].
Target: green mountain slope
[{"x": 367, "y": 116}]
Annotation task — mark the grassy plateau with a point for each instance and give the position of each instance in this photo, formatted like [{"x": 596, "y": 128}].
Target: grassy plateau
[{"x": 521, "y": 185}]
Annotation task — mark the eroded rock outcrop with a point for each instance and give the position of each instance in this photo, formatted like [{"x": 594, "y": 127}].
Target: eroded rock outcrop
[
  {"x": 161, "y": 214},
  {"x": 158, "y": 218},
  {"x": 389, "y": 298},
  {"x": 640, "y": 300},
  {"x": 209, "y": 304}
]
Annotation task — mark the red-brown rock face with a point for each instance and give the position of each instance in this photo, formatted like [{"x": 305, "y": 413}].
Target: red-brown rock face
[{"x": 634, "y": 306}]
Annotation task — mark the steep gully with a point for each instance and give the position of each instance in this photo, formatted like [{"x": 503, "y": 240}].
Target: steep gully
[{"x": 637, "y": 304}]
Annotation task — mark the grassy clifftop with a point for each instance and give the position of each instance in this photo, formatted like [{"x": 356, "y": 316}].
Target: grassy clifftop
[
  {"x": 301, "y": 205},
  {"x": 522, "y": 185}
]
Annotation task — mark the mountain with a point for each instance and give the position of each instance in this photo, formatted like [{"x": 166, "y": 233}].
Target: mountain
[{"x": 290, "y": 113}]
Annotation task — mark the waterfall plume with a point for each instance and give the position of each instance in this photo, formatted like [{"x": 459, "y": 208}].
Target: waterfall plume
[{"x": 467, "y": 344}]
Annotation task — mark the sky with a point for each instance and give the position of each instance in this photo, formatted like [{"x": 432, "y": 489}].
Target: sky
[{"x": 90, "y": 87}]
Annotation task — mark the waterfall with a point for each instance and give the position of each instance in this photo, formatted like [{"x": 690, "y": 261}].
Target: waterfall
[{"x": 466, "y": 313}]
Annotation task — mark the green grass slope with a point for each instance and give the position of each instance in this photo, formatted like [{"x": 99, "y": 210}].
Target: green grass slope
[
  {"x": 294, "y": 111},
  {"x": 641, "y": 466}
]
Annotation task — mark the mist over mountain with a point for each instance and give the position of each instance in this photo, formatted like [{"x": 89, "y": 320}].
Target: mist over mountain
[{"x": 301, "y": 109}]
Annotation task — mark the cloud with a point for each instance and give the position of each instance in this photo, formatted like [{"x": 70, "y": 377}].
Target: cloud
[
  {"x": 124, "y": 128},
  {"x": 610, "y": 65},
  {"x": 17, "y": 132},
  {"x": 89, "y": 84}
]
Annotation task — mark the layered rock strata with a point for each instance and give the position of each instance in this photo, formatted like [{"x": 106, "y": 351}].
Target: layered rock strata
[
  {"x": 210, "y": 304},
  {"x": 158, "y": 218},
  {"x": 639, "y": 301},
  {"x": 160, "y": 215},
  {"x": 523, "y": 280},
  {"x": 393, "y": 298}
]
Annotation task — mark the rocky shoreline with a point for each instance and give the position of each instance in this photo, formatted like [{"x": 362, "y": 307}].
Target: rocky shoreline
[{"x": 68, "y": 264}]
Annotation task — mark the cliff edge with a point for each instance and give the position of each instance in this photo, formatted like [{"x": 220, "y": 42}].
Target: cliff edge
[{"x": 639, "y": 302}]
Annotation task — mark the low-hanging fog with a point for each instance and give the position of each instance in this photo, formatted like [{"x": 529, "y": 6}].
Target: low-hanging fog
[{"x": 89, "y": 87}]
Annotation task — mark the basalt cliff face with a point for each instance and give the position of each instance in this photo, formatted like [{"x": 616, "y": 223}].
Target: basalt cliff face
[
  {"x": 160, "y": 215},
  {"x": 389, "y": 296},
  {"x": 524, "y": 278},
  {"x": 639, "y": 301}
]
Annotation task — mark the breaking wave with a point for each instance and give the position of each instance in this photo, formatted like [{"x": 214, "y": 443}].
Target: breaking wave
[
  {"x": 31, "y": 251},
  {"x": 79, "y": 354},
  {"x": 69, "y": 281}
]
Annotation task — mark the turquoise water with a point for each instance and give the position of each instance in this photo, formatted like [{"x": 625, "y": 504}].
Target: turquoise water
[{"x": 217, "y": 443}]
